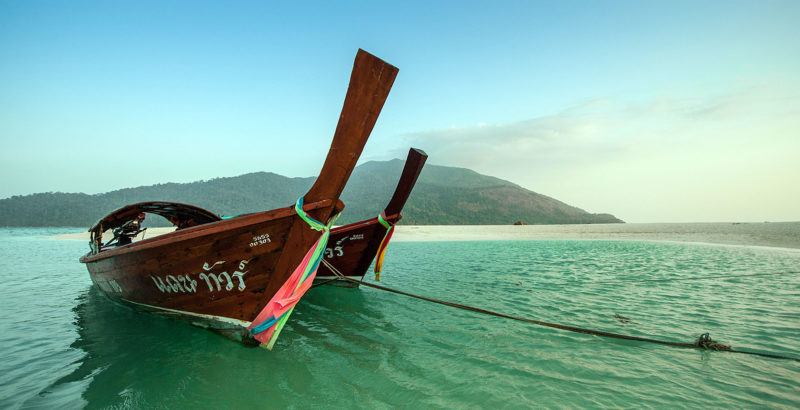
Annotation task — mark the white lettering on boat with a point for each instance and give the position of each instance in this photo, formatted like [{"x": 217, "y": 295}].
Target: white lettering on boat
[
  {"x": 216, "y": 281},
  {"x": 240, "y": 273},
  {"x": 334, "y": 252},
  {"x": 188, "y": 283},
  {"x": 206, "y": 267},
  {"x": 260, "y": 240},
  {"x": 208, "y": 282},
  {"x": 170, "y": 284},
  {"x": 338, "y": 250}
]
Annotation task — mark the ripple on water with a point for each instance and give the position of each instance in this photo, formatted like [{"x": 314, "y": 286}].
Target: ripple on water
[{"x": 66, "y": 345}]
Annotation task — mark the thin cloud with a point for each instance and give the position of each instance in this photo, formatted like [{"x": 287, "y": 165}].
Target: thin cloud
[{"x": 607, "y": 150}]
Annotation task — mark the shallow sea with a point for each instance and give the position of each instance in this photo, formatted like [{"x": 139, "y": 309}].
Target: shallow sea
[{"x": 64, "y": 345}]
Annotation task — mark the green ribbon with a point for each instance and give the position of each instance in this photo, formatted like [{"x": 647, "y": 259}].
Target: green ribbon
[{"x": 315, "y": 259}]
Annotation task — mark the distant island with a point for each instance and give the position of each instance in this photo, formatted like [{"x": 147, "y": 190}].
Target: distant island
[{"x": 443, "y": 196}]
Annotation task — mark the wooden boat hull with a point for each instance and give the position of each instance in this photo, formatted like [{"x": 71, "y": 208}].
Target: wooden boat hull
[
  {"x": 218, "y": 275},
  {"x": 223, "y": 274}
]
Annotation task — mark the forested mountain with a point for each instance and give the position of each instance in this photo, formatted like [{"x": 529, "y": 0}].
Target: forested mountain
[{"x": 443, "y": 196}]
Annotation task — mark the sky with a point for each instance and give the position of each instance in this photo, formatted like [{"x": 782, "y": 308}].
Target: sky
[{"x": 652, "y": 111}]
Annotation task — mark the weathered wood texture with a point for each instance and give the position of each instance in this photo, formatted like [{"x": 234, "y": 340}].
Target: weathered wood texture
[{"x": 370, "y": 83}]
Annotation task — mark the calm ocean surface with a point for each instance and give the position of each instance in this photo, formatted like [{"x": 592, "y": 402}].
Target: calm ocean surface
[{"x": 64, "y": 345}]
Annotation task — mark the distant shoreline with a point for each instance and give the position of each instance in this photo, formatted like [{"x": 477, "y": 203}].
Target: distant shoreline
[{"x": 774, "y": 234}]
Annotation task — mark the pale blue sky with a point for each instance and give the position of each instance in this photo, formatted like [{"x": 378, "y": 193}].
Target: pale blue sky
[{"x": 653, "y": 111}]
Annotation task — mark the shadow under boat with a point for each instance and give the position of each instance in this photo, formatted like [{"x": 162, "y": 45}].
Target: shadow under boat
[
  {"x": 125, "y": 351},
  {"x": 121, "y": 347},
  {"x": 253, "y": 255}
]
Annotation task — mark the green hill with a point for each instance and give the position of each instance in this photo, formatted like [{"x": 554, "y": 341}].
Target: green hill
[{"x": 443, "y": 196}]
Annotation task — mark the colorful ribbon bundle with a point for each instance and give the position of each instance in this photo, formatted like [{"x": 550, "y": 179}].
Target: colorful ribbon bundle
[
  {"x": 275, "y": 314},
  {"x": 384, "y": 243}
]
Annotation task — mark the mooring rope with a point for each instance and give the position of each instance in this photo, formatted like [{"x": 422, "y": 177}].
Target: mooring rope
[
  {"x": 325, "y": 282},
  {"x": 704, "y": 342}
]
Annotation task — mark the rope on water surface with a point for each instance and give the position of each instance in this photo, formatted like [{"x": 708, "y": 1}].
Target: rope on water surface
[
  {"x": 323, "y": 283},
  {"x": 704, "y": 342}
]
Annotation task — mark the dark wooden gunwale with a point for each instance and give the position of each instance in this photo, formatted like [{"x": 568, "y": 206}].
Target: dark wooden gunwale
[{"x": 206, "y": 229}]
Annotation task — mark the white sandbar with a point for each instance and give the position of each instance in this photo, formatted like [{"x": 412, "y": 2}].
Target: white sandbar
[{"x": 784, "y": 235}]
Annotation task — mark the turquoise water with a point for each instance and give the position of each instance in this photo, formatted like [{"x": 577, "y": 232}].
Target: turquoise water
[{"x": 64, "y": 345}]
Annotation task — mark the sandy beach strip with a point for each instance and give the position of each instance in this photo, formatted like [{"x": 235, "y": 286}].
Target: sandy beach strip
[{"x": 782, "y": 235}]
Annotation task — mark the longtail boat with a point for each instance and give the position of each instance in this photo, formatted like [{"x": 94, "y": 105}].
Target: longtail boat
[
  {"x": 241, "y": 276},
  {"x": 351, "y": 248}
]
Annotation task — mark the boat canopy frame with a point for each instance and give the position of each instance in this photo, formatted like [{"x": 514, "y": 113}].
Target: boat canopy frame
[{"x": 180, "y": 215}]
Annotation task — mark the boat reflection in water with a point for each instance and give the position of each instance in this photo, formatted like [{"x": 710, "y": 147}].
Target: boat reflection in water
[{"x": 141, "y": 361}]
